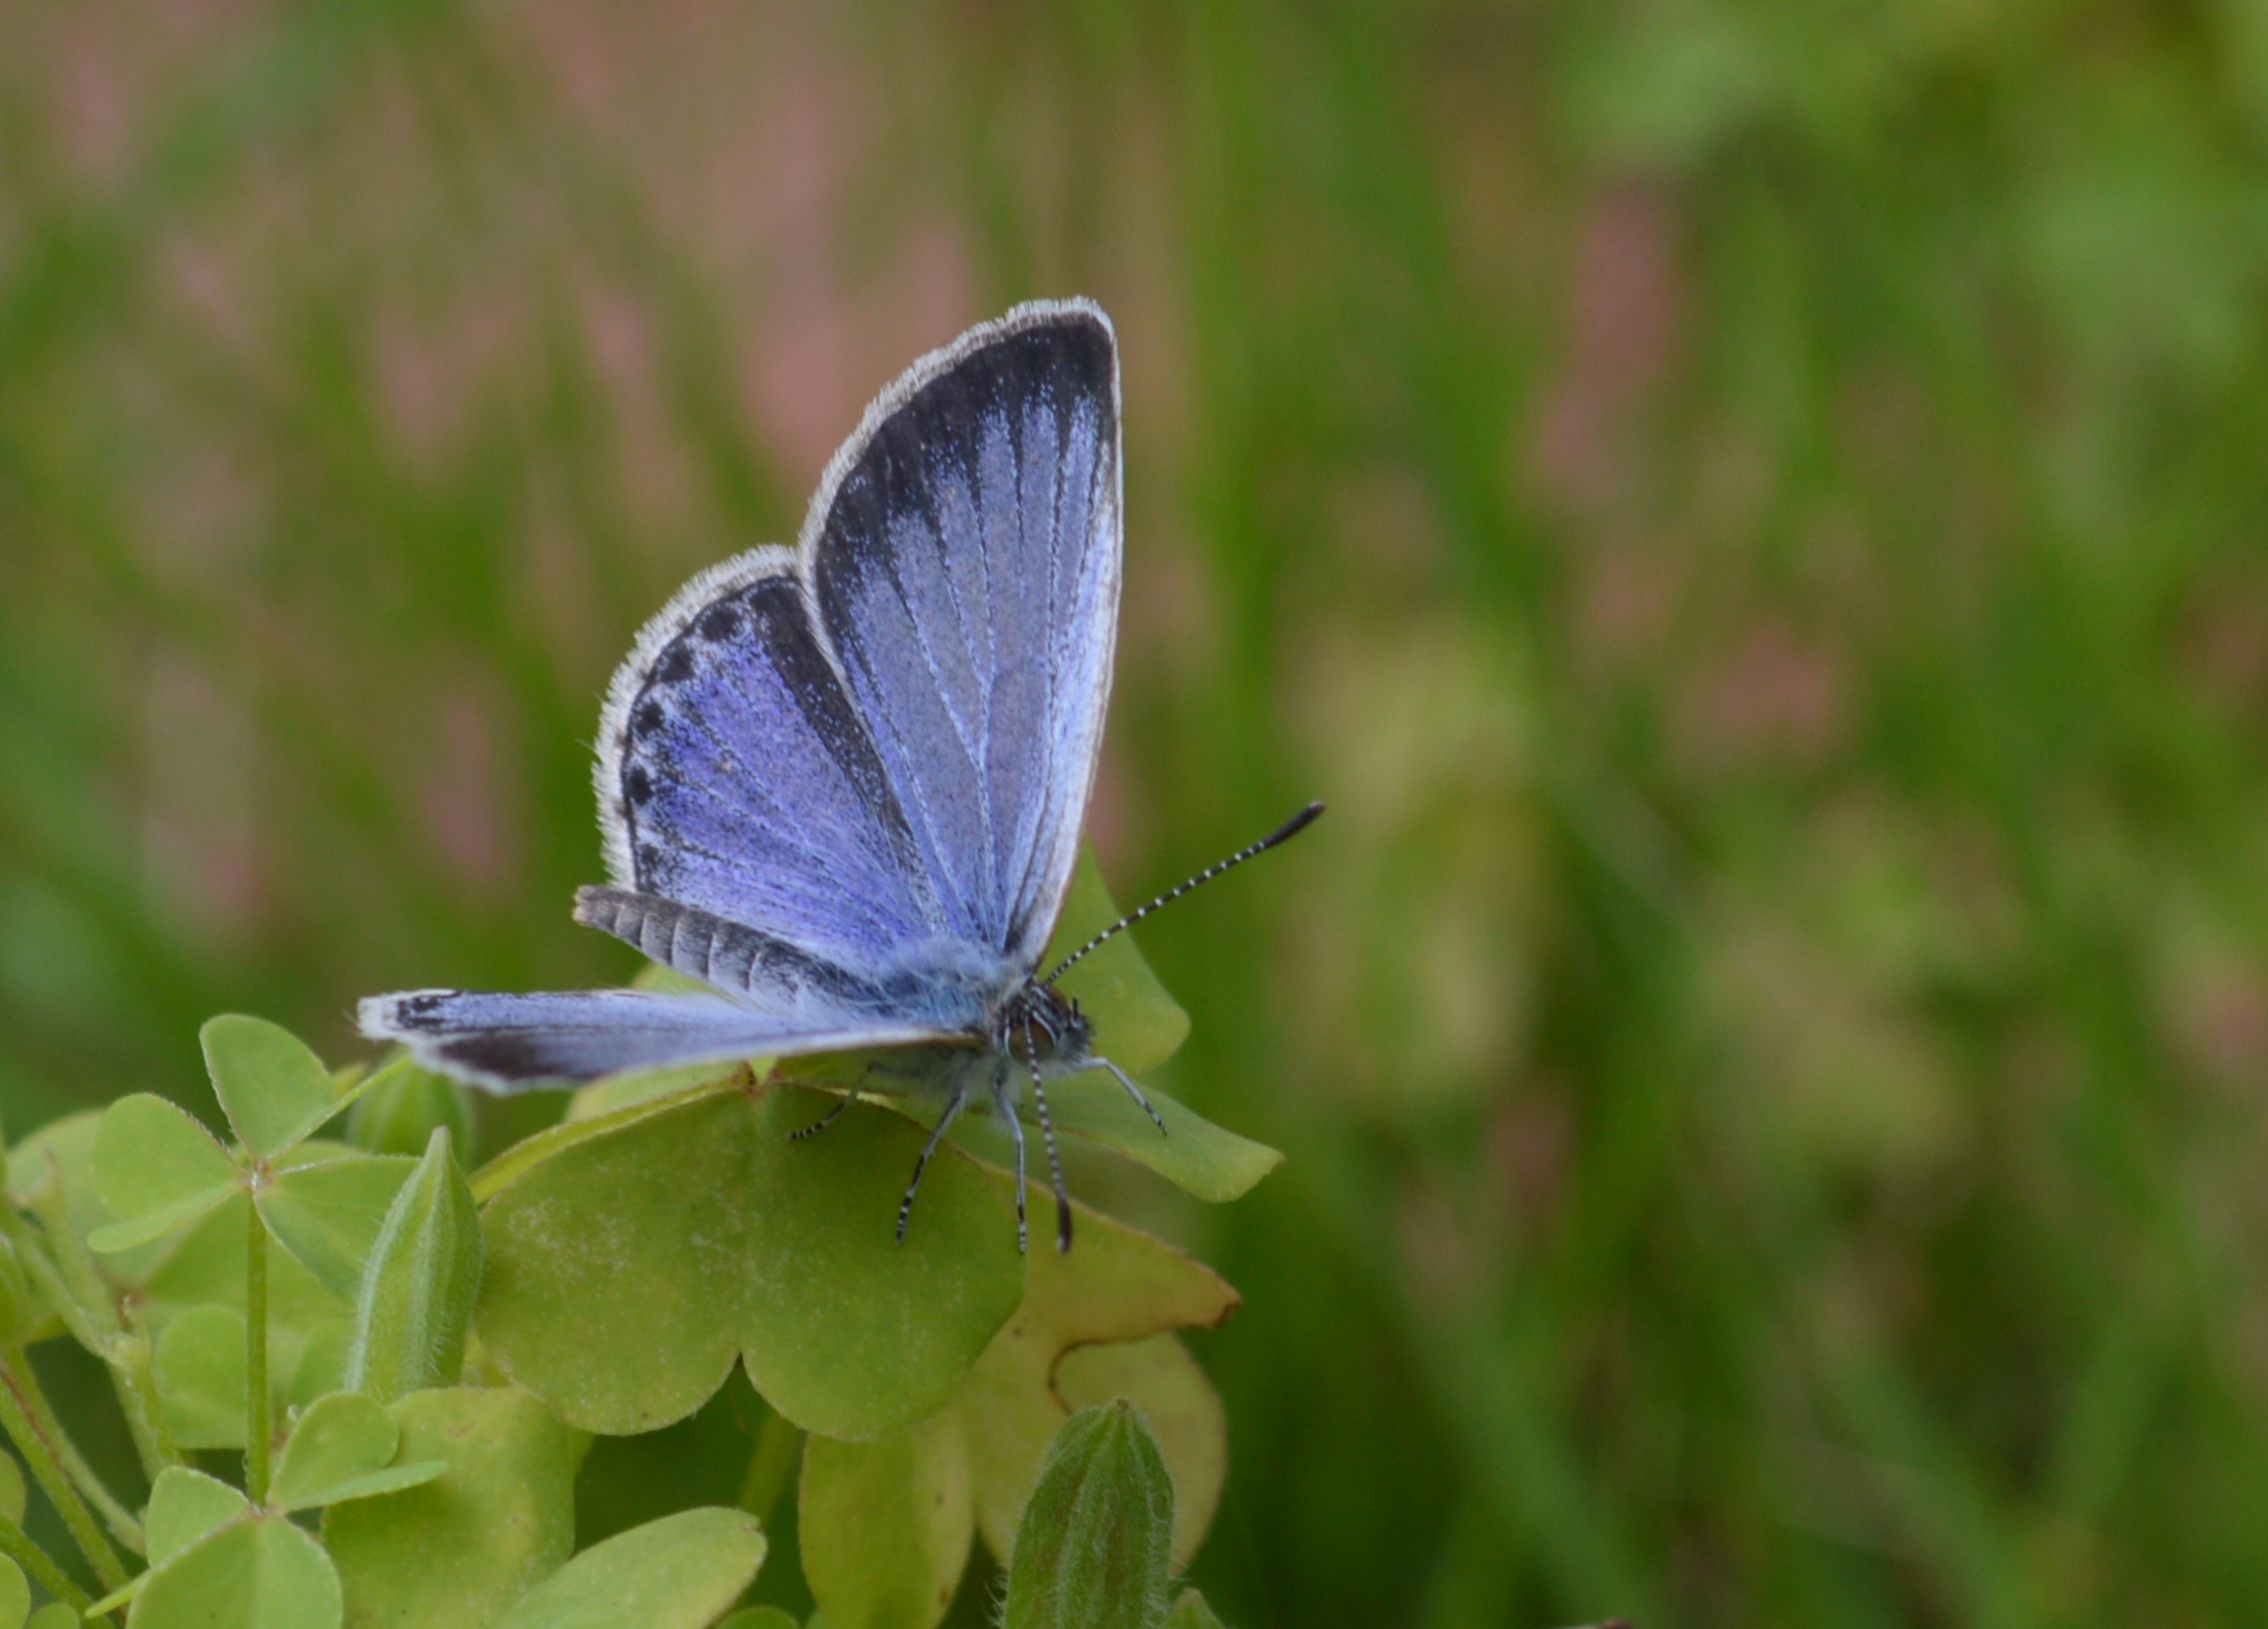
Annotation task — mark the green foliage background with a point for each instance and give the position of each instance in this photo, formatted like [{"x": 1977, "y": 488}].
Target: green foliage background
[{"x": 1750, "y": 513}]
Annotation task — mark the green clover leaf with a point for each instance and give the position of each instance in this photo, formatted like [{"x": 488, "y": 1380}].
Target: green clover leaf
[
  {"x": 157, "y": 1170},
  {"x": 216, "y": 1557},
  {"x": 259, "y": 1570},
  {"x": 185, "y": 1506},
  {"x": 461, "y": 1549},
  {"x": 326, "y": 1207},
  {"x": 629, "y": 1269},
  {"x": 885, "y": 1525},
  {"x": 344, "y": 1449},
  {"x": 1195, "y": 1156},
  {"x": 274, "y": 1090},
  {"x": 681, "y": 1572}
]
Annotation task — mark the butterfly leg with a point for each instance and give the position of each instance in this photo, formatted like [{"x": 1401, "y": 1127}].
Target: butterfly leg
[
  {"x": 1054, "y": 1161},
  {"x": 824, "y": 1120},
  {"x": 848, "y": 1097},
  {"x": 1007, "y": 1111},
  {"x": 1134, "y": 1091},
  {"x": 944, "y": 1124}
]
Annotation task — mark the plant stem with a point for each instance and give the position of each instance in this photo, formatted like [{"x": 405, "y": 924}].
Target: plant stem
[
  {"x": 39, "y": 1455},
  {"x": 126, "y": 1347},
  {"x": 59, "y": 1262},
  {"x": 770, "y": 1466},
  {"x": 17, "y": 1546},
  {"x": 138, "y": 1390},
  {"x": 115, "y": 1515},
  {"x": 256, "y": 1423}
]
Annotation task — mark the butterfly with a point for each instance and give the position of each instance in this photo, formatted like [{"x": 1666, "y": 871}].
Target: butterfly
[{"x": 841, "y": 784}]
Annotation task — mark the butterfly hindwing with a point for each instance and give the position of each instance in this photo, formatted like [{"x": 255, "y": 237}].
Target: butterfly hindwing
[
  {"x": 510, "y": 1042},
  {"x": 736, "y": 777}
]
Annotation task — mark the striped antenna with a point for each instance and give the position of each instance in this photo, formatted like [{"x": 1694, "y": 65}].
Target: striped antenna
[{"x": 1283, "y": 834}]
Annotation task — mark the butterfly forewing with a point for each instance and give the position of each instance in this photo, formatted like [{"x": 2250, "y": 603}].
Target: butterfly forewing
[{"x": 965, "y": 561}]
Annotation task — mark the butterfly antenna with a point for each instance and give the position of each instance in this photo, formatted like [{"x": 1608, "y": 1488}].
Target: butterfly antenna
[{"x": 1283, "y": 834}]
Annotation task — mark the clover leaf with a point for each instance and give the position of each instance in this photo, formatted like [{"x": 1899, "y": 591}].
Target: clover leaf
[
  {"x": 1195, "y": 1156},
  {"x": 158, "y": 1170},
  {"x": 274, "y": 1090},
  {"x": 341, "y": 1448},
  {"x": 885, "y": 1525},
  {"x": 461, "y": 1549},
  {"x": 259, "y": 1569},
  {"x": 630, "y": 1269},
  {"x": 1100, "y": 1318},
  {"x": 1092, "y": 1326},
  {"x": 216, "y": 1557},
  {"x": 681, "y": 1572}
]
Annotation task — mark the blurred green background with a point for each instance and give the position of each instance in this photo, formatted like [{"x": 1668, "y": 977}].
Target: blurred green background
[{"x": 1751, "y": 513}]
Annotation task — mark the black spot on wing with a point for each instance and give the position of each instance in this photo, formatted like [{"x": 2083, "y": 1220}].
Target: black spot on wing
[{"x": 421, "y": 1012}]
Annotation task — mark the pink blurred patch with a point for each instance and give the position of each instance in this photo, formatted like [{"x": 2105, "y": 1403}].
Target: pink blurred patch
[
  {"x": 464, "y": 803},
  {"x": 2220, "y": 1023},
  {"x": 1623, "y": 300},
  {"x": 1772, "y": 698},
  {"x": 1626, "y": 595}
]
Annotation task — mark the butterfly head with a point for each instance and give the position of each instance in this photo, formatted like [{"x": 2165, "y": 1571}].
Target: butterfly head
[{"x": 1040, "y": 1024}]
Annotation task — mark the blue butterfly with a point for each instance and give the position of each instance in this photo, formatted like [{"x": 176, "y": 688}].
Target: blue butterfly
[{"x": 842, "y": 784}]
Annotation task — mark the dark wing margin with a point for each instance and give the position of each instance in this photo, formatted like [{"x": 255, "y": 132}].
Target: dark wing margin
[{"x": 964, "y": 560}]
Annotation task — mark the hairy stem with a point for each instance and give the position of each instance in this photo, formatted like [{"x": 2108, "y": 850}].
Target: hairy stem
[
  {"x": 115, "y": 1515},
  {"x": 17, "y": 1546},
  {"x": 256, "y": 1423},
  {"x": 137, "y": 1391},
  {"x": 16, "y": 1417},
  {"x": 63, "y": 1270}
]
